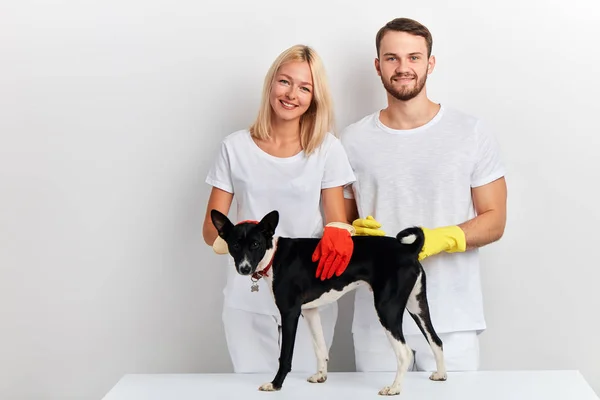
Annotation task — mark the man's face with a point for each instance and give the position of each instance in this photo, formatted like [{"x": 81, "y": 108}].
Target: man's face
[{"x": 403, "y": 64}]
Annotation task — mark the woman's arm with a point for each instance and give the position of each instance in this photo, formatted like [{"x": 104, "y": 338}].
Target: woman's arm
[
  {"x": 219, "y": 200},
  {"x": 335, "y": 247},
  {"x": 333, "y": 205}
]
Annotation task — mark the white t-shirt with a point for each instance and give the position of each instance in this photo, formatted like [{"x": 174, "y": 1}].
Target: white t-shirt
[
  {"x": 262, "y": 183},
  {"x": 423, "y": 177}
]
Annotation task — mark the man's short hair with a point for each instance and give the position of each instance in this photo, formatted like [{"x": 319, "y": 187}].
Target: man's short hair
[{"x": 405, "y": 25}]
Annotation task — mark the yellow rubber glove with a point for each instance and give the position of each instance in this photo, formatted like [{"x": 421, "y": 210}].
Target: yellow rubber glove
[
  {"x": 367, "y": 227},
  {"x": 450, "y": 239}
]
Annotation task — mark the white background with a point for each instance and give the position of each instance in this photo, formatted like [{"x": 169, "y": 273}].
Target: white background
[{"x": 111, "y": 113}]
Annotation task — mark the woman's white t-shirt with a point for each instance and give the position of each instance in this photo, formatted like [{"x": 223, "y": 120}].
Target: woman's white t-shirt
[{"x": 262, "y": 183}]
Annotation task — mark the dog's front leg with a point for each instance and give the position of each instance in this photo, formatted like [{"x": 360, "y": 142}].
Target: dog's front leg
[
  {"x": 313, "y": 319},
  {"x": 289, "y": 326}
]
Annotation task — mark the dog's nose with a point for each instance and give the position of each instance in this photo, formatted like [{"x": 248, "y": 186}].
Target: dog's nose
[{"x": 245, "y": 270}]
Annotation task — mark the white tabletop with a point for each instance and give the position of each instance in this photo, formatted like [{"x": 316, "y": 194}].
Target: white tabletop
[{"x": 488, "y": 385}]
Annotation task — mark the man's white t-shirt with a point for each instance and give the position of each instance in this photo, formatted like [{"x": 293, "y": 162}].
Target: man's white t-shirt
[
  {"x": 423, "y": 177},
  {"x": 262, "y": 183}
]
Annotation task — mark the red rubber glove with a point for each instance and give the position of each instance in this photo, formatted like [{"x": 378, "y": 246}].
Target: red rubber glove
[{"x": 333, "y": 252}]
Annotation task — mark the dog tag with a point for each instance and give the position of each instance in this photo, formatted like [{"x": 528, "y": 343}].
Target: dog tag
[{"x": 254, "y": 287}]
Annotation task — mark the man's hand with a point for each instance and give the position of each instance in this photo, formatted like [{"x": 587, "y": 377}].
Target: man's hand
[
  {"x": 450, "y": 239},
  {"x": 367, "y": 227}
]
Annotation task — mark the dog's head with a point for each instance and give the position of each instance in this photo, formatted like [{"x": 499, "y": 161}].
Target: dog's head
[{"x": 247, "y": 242}]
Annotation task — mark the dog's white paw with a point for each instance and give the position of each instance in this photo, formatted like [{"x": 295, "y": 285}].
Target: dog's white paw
[
  {"x": 436, "y": 376},
  {"x": 267, "y": 387},
  {"x": 319, "y": 377},
  {"x": 390, "y": 391}
]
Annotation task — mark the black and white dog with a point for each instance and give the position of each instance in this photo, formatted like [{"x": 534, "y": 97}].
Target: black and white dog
[{"x": 389, "y": 265}]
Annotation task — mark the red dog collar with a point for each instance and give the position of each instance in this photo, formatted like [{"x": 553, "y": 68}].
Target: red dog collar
[
  {"x": 265, "y": 271},
  {"x": 248, "y": 220}
]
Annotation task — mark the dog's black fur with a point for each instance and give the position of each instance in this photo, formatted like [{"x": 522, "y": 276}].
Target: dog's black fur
[{"x": 388, "y": 265}]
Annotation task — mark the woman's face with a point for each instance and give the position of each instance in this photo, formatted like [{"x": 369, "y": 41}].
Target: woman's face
[{"x": 292, "y": 91}]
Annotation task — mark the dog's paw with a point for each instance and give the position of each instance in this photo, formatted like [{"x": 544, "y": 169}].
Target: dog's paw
[
  {"x": 436, "y": 376},
  {"x": 267, "y": 387},
  {"x": 319, "y": 377},
  {"x": 389, "y": 391}
]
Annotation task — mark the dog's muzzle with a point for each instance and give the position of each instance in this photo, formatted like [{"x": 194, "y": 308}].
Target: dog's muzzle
[{"x": 245, "y": 270}]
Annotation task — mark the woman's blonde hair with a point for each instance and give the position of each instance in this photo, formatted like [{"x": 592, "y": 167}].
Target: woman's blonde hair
[{"x": 318, "y": 119}]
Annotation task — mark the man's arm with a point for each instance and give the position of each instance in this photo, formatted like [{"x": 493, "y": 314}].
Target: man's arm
[
  {"x": 351, "y": 210},
  {"x": 490, "y": 205}
]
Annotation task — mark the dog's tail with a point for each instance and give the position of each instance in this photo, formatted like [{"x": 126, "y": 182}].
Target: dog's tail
[{"x": 413, "y": 238}]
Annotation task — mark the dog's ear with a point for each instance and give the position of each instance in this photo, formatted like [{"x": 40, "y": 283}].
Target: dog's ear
[
  {"x": 221, "y": 222},
  {"x": 269, "y": 223}
]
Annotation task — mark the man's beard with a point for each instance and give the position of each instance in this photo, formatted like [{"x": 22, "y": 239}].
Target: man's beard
[{"x": 405, "y": 93}]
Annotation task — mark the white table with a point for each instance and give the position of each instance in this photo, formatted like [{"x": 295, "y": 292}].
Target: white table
[{"x": 481, "y": 385}]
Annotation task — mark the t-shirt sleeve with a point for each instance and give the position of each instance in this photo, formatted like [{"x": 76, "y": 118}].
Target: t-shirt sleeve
[
  {"x": 219, "y": 175},
  {"x": 348, "y": 193},
  {"x": 488, "y": 162},
  {"x": 338, "y": 171}
]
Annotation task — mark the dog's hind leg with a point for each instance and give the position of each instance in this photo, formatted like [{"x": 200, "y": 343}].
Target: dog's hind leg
[
  {"x": 404, "y": 356},
  {"x": 289, "y": 326},
  {"x": 313, "y": 319},
  {"x": 418, "y": 308},
  {"x": 391, "y": 319}
]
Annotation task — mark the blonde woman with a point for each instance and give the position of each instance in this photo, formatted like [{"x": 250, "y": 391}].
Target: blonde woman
[{"x": 289, "y": 161}]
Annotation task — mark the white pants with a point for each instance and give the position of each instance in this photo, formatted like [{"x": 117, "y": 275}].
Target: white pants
[
  {"x": 253, "y": 340},
  {"x": 373, "y": 351}
]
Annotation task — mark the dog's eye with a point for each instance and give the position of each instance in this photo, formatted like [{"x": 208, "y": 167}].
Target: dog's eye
[
  {"x": 254, "y": 245},
  {"x": 235, "y": 246}
]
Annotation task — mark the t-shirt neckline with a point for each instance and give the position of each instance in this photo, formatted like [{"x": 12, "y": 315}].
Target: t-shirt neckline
[
  {"x": 428, "y": 125},
  {"x": 264, "y": 154}
]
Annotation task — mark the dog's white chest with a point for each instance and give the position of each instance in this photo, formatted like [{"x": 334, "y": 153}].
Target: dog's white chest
[{"x": 332, "y": 295}]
